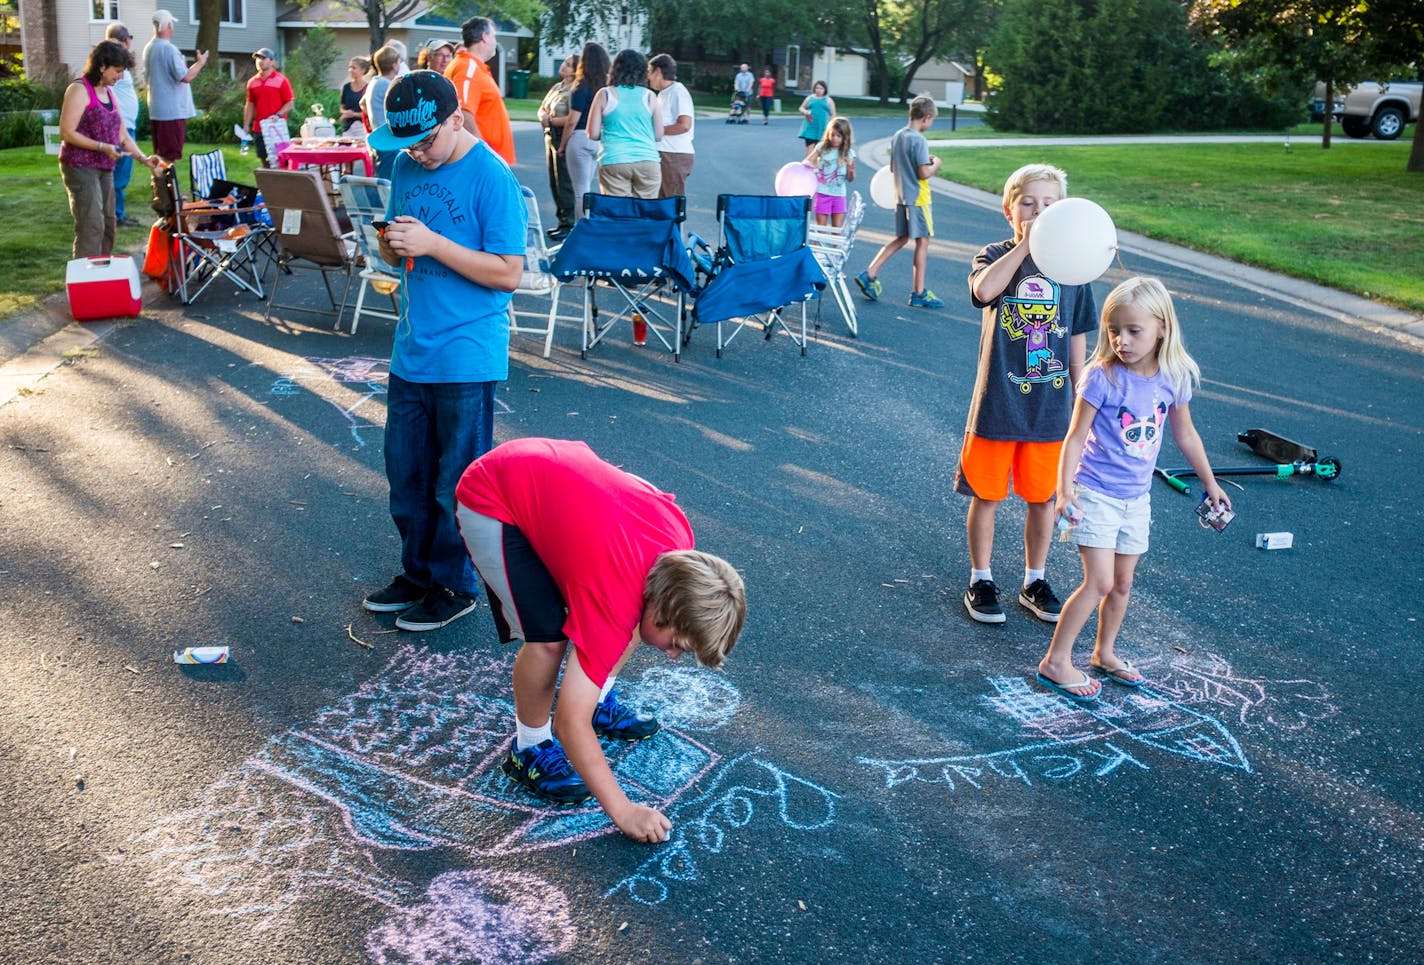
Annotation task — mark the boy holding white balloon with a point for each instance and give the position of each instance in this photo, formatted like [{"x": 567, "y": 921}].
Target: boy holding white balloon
[
  {"x": 911, "y": 165},
  {"x": 1032, "y": 347}
]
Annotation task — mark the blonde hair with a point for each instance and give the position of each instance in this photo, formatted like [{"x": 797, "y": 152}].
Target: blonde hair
[
  {"x": 1178, "y": 368},
  {"x": 841, "y": 124},
  {"x": 1030, "y": 173},
  {"x": 923, "y": 106},
  {"x": 701, "y": 599}
]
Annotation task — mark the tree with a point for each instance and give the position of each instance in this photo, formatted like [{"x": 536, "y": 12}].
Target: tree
[
  {"x": 1338, "y": 43},
  {"x": 932, "y": 29},
  {"x": 210, "y": 16}
]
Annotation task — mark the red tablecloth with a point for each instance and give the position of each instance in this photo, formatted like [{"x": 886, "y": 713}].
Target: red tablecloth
[{"x": 294, "y": 156}]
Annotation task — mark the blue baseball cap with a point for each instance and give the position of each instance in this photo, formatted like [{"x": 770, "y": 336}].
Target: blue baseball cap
[{"x": 416, "y": 105}]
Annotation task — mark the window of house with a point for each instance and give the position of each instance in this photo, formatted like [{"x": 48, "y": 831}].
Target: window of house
[
  {"x": 234, "y": 12},
  {"x": 104, "y": 10},
  {"x": 227, "y": 67}
]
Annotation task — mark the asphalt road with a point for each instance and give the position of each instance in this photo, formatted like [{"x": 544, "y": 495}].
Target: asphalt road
[{"x": 874, "y": 778}]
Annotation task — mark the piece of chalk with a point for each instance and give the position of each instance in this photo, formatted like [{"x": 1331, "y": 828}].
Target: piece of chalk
[{"x": 1274, "y": 541}]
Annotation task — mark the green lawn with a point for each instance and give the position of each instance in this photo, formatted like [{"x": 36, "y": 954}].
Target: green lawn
[
  {"x": 1350, "y": 218},
  {"x": 39, "y": 232}
]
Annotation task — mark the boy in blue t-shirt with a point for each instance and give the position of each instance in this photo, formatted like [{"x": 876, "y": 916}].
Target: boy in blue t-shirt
[
  {"x": 456, "y": 225},
  {"x": 912, "y": 166}
]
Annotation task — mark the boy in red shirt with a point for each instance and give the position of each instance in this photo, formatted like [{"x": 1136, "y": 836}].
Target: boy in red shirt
[{"x": 574, "y": 550}]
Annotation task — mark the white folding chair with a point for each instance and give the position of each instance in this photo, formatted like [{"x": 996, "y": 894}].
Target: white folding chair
[
  {"x": 831, "y": 246},
  {"x": 537, "y": 281},
  {"x": 367, "y": 200}
]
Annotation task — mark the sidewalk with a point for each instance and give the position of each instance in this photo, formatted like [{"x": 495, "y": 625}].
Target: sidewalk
[{"x": 1317, "y": 298}]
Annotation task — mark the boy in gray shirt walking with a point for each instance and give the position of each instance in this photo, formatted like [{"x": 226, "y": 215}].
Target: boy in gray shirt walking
[{"x": 912, "y": 166}]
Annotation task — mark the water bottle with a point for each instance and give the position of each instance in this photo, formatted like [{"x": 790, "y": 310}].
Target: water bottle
[
  {"x": 1067, "y": 524},
  {"x": 246, "y": 145}
]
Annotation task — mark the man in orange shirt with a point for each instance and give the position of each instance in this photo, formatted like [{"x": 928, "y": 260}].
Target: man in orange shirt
[{"x": 480, "y": 99}]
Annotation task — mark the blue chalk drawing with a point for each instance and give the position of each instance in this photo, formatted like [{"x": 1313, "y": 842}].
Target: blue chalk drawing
[
  {"x": 408, "y": 762},
  {"x": 1068, "y": 739},
  {"x": 730, "y": 801},
  {"x": 367, "y": 377}
]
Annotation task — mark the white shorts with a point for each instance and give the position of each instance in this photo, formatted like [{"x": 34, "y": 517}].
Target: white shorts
[{"x": 1120, "y": 525}]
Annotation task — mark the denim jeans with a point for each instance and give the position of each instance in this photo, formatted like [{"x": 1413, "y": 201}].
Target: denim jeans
[
  {"x": 433, "y": 432},
  {"x": 123, "y": 174}
]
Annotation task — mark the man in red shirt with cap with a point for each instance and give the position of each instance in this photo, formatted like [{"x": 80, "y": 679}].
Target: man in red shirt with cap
[{"x": 268, "y": 93}]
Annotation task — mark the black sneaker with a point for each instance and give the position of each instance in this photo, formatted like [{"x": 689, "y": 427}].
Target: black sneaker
[
  {"x": 399, "y": 594},
  {"x": 1040, "y": 600},
  {"x": 439, "y": 607},
  {"x": 982, "y": 602},
  {"x": 545, "y": 770},
  {"x": 614, "y": 719}
]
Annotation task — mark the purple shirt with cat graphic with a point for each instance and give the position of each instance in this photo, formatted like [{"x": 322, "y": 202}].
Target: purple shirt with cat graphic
[{"x": 1126, "y": 433}]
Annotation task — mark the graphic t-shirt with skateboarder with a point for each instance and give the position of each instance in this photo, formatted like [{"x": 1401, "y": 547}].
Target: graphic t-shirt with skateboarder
[{"x": 1022, "y": 390}]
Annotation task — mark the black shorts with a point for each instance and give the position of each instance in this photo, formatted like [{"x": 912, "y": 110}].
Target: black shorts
[{"x": 523, "y": 596}]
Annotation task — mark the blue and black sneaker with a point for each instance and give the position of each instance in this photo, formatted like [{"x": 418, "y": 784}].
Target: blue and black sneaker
[
  {"x": 545, "y": 770},
  {"x": 613, "y": 719}
]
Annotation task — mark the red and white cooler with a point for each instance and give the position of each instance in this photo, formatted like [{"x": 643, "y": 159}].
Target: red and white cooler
[{"x": 103, "y": 287}]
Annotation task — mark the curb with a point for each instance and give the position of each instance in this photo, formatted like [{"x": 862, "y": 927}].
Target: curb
[
  {"x": 57, "y": 338},
  {"x": 1343, "y": 306}
]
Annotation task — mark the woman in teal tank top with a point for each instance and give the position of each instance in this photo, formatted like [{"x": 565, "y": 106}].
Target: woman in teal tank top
[{"x": 625, "y": 120}]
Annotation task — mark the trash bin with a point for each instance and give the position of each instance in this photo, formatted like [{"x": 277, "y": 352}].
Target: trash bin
[{"x": 519, "y": 83}]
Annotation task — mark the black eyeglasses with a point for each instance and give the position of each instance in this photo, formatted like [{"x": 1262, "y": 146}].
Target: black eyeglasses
[{"x": 424, "y": 145}]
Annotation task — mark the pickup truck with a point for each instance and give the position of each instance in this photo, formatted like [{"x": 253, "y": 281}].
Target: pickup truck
[{"x": 1380, "y": 109}]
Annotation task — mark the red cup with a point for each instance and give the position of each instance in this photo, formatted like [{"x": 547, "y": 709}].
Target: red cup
[{"x": 640, "y": 329}]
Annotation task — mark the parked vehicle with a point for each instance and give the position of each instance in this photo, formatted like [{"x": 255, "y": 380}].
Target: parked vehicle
[
  {"x": 1317, "y": 103},
  {"x": 1381, "y": 109}
]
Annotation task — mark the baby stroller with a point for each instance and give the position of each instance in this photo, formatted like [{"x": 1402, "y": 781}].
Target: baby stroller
[{"x": 737, "y": 114}]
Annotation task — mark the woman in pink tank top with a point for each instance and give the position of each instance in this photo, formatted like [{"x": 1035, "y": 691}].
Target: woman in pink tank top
[{"x": 94, "y": 136}]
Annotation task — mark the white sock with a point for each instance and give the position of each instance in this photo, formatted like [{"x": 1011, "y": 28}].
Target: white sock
[
  {"x": 976, "y": 575},
  {"x": 1031, "y": 575},
  {"x": 527, "y": 737},
  {"x": 607, "y": 686}
]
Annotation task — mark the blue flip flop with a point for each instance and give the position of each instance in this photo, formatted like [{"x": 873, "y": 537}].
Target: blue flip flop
[
  {"x": 1062, "y": 689},
  {"x": 1116, "y": 675}
]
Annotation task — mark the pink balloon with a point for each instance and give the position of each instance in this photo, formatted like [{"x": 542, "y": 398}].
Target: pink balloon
[{"x": 795, "y": 178}]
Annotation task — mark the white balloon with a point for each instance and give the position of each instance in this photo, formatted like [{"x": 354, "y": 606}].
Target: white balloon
[
  {"x": 1073, "y": 242},
  {"x": 882, "y": 188},
  {"x": 795, "y": 178}
]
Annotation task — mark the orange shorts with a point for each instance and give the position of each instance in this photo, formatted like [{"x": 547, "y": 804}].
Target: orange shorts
[{"x": 985, "y": 466}]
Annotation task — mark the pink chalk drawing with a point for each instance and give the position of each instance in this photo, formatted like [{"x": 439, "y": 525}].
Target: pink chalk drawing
[
  {"x": 493, "y": 917},
  {"x": 368, "y": 377},
  {"x": 1169, "y": 715},
  {"x": 409, "y": 762}
]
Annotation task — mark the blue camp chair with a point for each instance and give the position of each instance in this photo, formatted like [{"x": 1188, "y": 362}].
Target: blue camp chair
[
  {"x": 762, "y": 264},
  {"x": 633, "y": 246}
]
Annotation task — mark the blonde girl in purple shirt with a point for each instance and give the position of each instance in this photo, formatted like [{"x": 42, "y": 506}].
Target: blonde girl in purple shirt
[{"x": 1138, "y": 381}]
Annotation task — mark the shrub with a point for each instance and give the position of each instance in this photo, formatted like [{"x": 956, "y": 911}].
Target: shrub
[
  {"x": 26, "y": 95},
  {"x": 21, "y": 129}
]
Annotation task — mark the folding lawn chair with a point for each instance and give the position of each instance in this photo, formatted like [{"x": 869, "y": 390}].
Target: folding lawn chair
[
  {"x": 832, "y": 246},
  {"x": 308, "y": 235},
  {"x": 210, "y": 241},
  {"x": 762, "y": 264},
  {"x": 538, "y": 280},
  {"x": 634, "y": 246},
  {"x": 367, "y": 200},
  {"x": 204, "y": 170}
]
